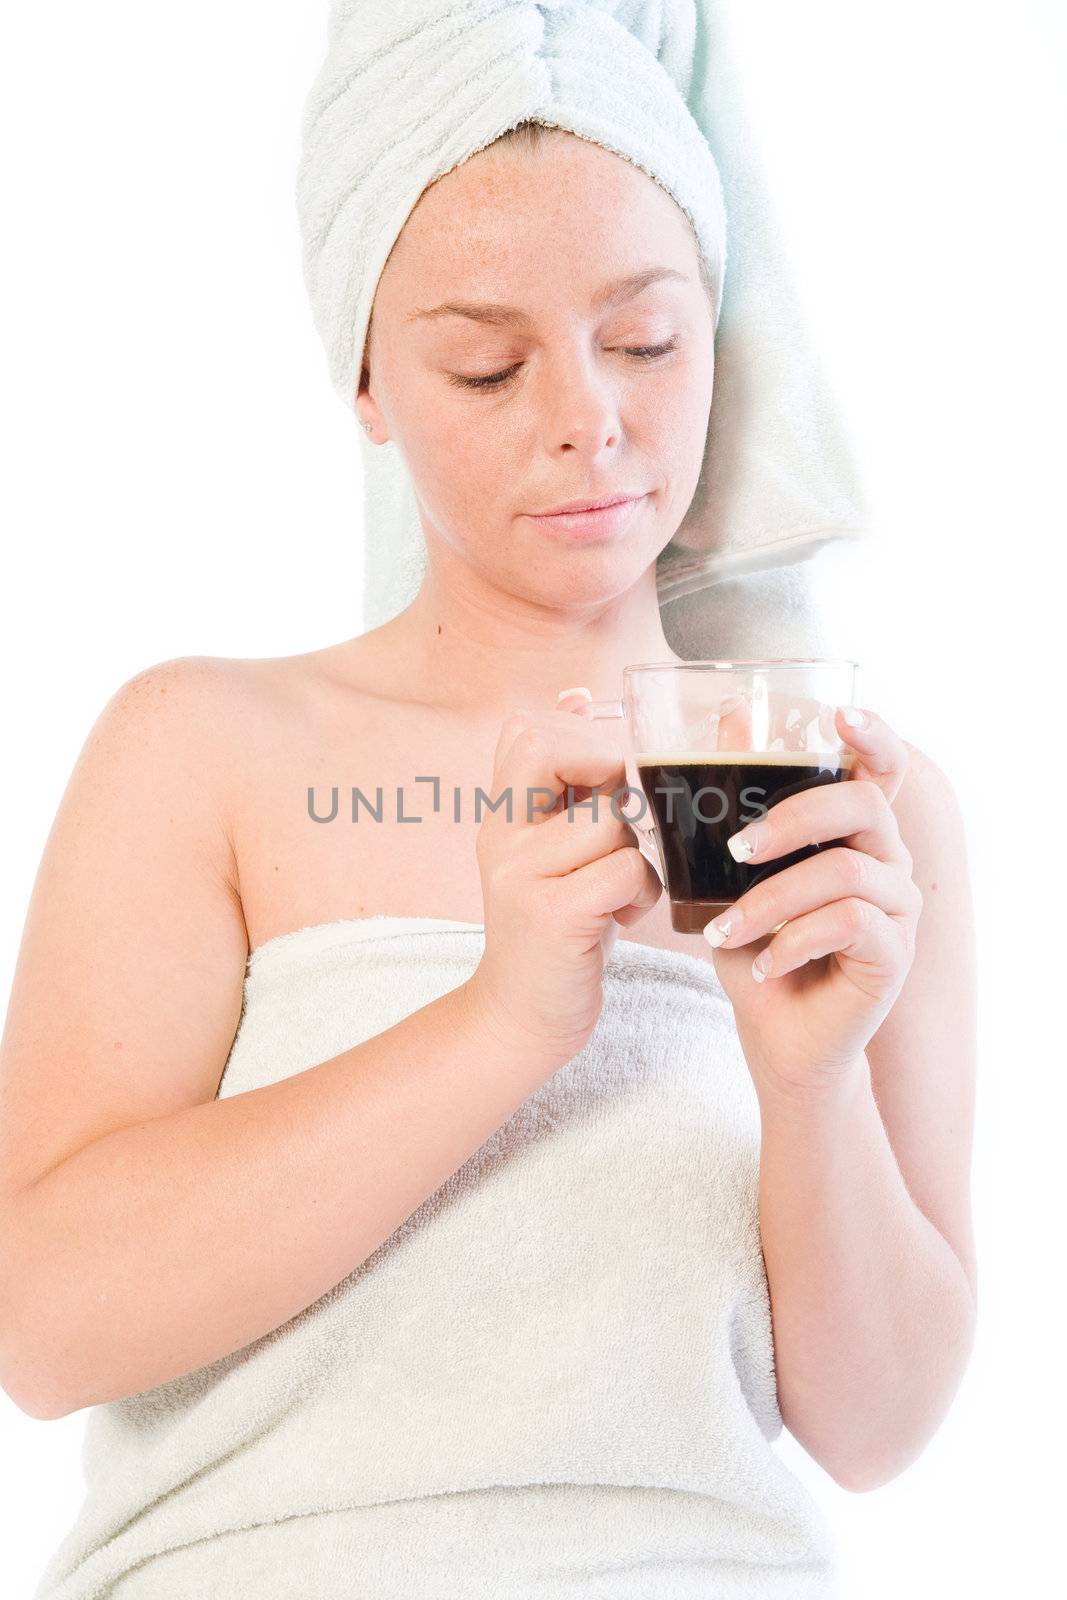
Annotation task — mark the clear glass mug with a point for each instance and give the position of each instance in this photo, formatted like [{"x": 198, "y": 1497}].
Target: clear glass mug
[{"x": 712, "y": 745}]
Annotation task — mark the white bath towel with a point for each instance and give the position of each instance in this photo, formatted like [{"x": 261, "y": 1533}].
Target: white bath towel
[
  {"x": 555, "y": 1379},
  {"x": 410, "y": 89}
]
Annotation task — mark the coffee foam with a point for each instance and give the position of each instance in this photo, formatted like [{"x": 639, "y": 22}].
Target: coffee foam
[{"x": 752, "y": 758}]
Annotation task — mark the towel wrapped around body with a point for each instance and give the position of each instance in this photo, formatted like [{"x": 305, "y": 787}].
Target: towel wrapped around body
[{"x": 555, "y": 1379}]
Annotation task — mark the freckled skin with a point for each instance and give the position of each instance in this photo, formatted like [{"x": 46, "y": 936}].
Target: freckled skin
[{"x": 505, "y": 613}]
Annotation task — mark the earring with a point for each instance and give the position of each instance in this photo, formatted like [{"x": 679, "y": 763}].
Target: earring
[{"x": 367, "y": 427}]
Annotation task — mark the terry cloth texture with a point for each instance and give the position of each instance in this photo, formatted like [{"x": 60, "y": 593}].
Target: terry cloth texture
[{"x": 554, "y": 1380}]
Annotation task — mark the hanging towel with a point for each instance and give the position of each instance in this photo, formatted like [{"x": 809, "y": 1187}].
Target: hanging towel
[{"x": 409, "y": 90}]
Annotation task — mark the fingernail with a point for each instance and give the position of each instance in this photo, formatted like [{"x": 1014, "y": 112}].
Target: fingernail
[
  {"x": 762, "y": 965},
  {"x": 743, "y": 846},
  {"x": 563, "y": 693},
  {"x": 719, "y": 930},
  {"x": 854, "y": 716}
]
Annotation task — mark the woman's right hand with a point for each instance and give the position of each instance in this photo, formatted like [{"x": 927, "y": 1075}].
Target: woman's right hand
[{"x": 555, "y": 885}]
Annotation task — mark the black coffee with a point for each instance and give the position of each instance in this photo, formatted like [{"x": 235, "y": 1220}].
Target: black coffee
[{"x": 697, "y": 801}]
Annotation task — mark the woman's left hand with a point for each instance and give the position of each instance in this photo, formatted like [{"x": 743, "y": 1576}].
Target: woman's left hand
[{"x": 849, "y": 913}]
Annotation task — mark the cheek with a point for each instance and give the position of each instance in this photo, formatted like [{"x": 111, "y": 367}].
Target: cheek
[
  {"x": 688, "y": 407},
  {"x": 675, "y": 401},
  {"x": 462, "y": 480},
  {"x": 677, "y": 438},
  {"x": 672, "y": 435}
]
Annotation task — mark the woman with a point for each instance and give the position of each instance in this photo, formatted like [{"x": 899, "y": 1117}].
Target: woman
[{"x": 371, "y": 1317}]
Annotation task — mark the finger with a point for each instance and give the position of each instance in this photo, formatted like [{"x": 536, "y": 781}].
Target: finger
[
  {"x": 788, "y": 717},
  {"x": 879, "y": 754},
  {"x": 580, "y": 832},
  {"x": 524, "y": 717},
  {"x": 545, "y": 758},
  {"x": 734, "y": 728},
  {"x": 646, "y": 897},
  {"x": 873, "y": 948},
  {"x": 616, "y": 802},
  {"x": 835, "y": 874},
  {"x": 622, "y": 884},
  {"x": 509, "y": 730},
  {"x": 577, "y": 702},
  {"x": 574, "y": 700},
  {"x": 853, "y": 811}
]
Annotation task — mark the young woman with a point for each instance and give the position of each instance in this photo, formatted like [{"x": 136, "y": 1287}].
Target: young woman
[{"x": 320, "y": 1361}]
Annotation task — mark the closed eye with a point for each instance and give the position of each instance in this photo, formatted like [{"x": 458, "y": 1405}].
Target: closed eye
[{"x": 495, "y": 380}]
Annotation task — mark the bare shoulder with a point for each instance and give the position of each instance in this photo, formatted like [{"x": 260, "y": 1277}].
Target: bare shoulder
[
  {"x": 928, "y": 810},
  {"x": 187, "y": 694},
  {"x": 240, "y": 728},
  {"x": 187, "y": 713},
  {"x": 922, "y": 770},
  {"x": 216, "y": 711},
  {"x": 185, "y": 705},
  {"x": 185, "y": 689}
]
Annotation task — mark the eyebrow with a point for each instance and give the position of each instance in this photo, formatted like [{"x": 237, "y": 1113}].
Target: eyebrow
[{"x": 611, "y": 294}]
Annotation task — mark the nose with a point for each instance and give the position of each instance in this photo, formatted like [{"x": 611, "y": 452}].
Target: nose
[{"x": 581, "y": 406}]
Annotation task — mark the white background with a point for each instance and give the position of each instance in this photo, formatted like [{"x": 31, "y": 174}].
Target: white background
[{"x": 181, "y": 480}]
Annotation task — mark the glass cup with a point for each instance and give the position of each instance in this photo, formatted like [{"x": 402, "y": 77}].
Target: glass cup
[{"x": 712, "y": 745}]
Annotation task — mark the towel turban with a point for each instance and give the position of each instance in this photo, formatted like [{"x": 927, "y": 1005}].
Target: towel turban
[{"x": 407, "y": 91}]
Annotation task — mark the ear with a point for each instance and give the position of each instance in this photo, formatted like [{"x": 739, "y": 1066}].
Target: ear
[{"x": 369, "y": 412}]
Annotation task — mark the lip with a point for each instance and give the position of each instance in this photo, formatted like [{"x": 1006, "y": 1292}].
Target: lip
[
  {"x": 570, "y": 506},
  {"x": 605, "y": 519}
]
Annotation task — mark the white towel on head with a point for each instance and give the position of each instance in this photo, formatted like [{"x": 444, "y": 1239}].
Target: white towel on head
[{"x": 408, "y": 91}]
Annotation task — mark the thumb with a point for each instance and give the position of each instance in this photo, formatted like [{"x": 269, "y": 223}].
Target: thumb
[{"x": 573, "y": 699}]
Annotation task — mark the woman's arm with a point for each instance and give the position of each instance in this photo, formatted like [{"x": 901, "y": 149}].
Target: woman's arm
[
  {"x": 148, "y": 1228},
  {"x": 163, "y": 1246},
  {"x": 865, "y": 1194}
]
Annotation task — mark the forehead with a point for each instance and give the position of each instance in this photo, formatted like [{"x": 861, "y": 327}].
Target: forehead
[{"x": 572, "y": 213}]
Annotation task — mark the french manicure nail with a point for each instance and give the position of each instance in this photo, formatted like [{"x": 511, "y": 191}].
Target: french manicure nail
[
  {"x": 854, "y": 716},
  {"x": 743, "y": 846},
  {"x": 718, "y": 931},
  {"x": 563, "y": 693}
]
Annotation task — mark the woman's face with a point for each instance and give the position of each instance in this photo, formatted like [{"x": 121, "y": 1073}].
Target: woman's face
[{"x": 568, "y": 397}]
